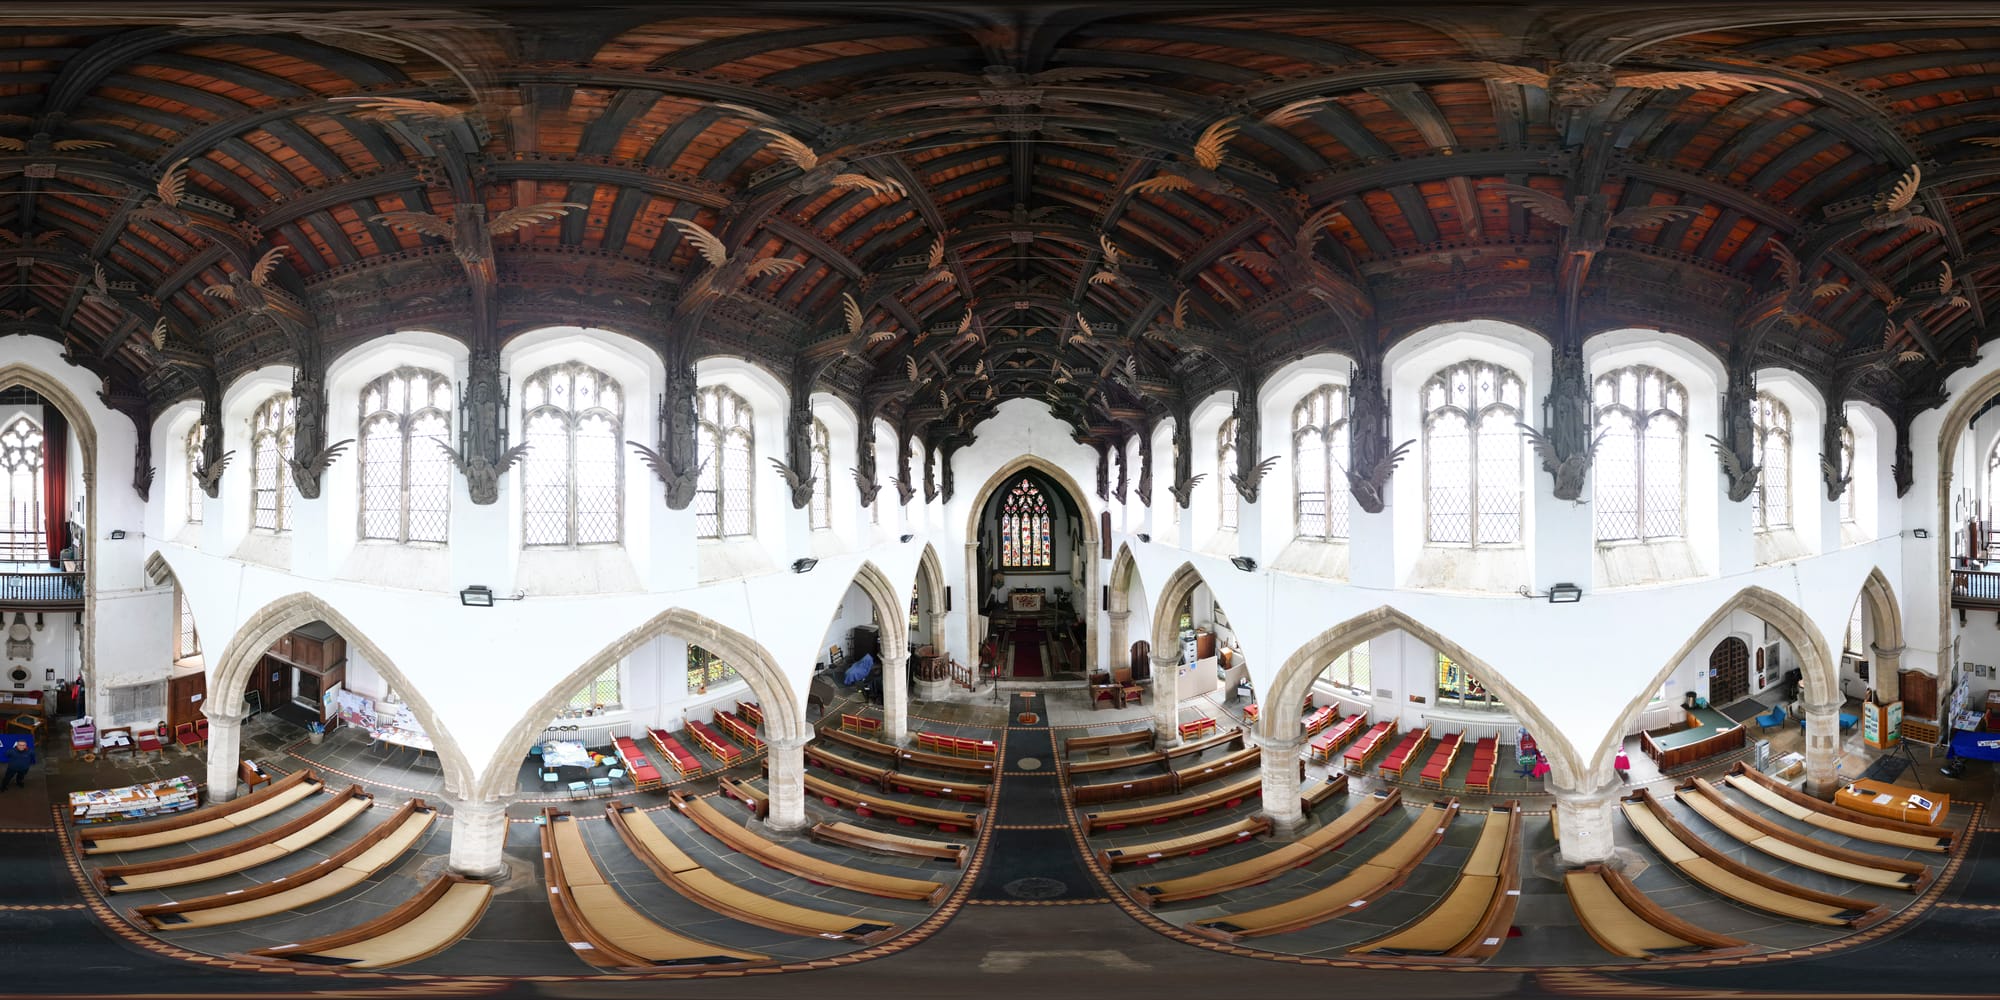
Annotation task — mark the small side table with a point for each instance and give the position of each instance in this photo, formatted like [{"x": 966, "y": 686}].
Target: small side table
[{"x": 251, "y": 775}]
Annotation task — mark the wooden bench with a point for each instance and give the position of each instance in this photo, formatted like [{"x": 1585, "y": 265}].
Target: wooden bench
[
  {"x": 936, "y": 762},
  {"x": 597, "y": 921},
  {"x": 343, "y": 870},
  {"x": 240, "y": 855},
  {"x": 844, "y": 766},
  {"x": 751, "y": 711},
  {"x": 689, "y": 878},
  {"x": 1112, "y": 791},
  {"x": 1117, "y": 763},
  {"x": 746, "y": 841},
  {"x": 1322, "y": 792},
  {"x": 1485, "y": 761},
  {"x": 864, "y": 839},
  {"x": 963, "y": 791},
  {"x": 1369, "y": 881},
  {"x": 1228, "y": 796},
  {"x": 865, "y": 804},
  {"x": 1735, "y": 881},
  {"x": 423, "y": 925},
  {"x": 1198, "y": 842},
  {"x": 860, "y": 724},
  {"x": 1136, "y": 737},
  {"x": 1367, "y": 745},
  {"x": 1272, "y": 863},
  {"x": 1328, "y": 743},
  {"x": 207, "y": 821},
  {"x": 728, "y": 753},
  {"x": 1202, "y": 772},
  {"x": 1442, "y": 757},
  {"x": 1624, "y": 921},
  {"x": 1471, "y": 921},
  {"x": 684, "y": 763},
  {"x": 1785, "y": 799},
  {"x": 1318, "y": 720},
  {"x": 1198, "y": 728},
  {"x": 1797, "y": 849},
  {"x": 642, "y": 772},
  {"x": 739, "y": 730},
  {"x": 1405, "y": 754},
  {"x": 752, "y": 797},
  {"x": 1231, "y": 738}
]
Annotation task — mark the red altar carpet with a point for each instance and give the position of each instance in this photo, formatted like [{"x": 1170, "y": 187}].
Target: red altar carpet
[{"x": 1027, "y": 651}]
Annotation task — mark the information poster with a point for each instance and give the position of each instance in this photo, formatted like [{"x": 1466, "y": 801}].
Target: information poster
[
  {"x": 1892, "y": 728},
  {"x": 1871, "y": 725}
]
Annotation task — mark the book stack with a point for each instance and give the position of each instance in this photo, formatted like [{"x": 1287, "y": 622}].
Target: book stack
[{"x": 155, "y": 798}]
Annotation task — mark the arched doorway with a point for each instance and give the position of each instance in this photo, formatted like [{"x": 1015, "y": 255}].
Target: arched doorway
[
  {"x": 1031, "y": 571},
  {"x": 78, "y": 421},
  {"x": 1729, "y": 671}
]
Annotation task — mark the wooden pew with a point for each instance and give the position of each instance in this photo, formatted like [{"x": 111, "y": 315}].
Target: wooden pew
[
  {"x": 599, "y": 924},
  {"x": 1471, "y": 921},
  {"x": 1783, "y": 798},
  {"x": 963, "y": 791},
  {"x": 1080, "y": 744},
  {"x": 1272, "y": 863},
  {"x": 1111, "y": 791},
  {"x": 744, "y": 840},
  {"x": 1330, "y": 742},
  {"x": 239, "y": 855},
  {"x": 1369, "y": 881},
  {"x": 684, "y": 763},
  {"x": 689, "y": 878},
  {"x": 1797, "y": 849},
  {"x": 642, "y": 772},
  {"x": 1229, "y": 739},
  {"x": 425, "y": 924},
  {"x": 346, "y": 868},
  {"x": 1400, "y": 759},
  {"x": 207, "y": 821},
  {"x": 1485, "y": 761},
  {"x": 1442, "y": 757},
  {"x": 1198, "y": 842},
  {"x": 1318, "y": 720},
  {"x": 1202, "y": 772},
  {"x": 866, "y": 804},
  {"x": 740, "y": 731},
  {"x": 1367, "y": 745},
  {"x": 1227, "y": 796},
  {"x": 864, "y": 839},
  {"x": 728, "y": 753},
  {"x": 1735, "y": 881},
  {"x": 1626, "y": 922},
  {"x": 844, "y": 766},
  {"x": 752, "y": 797},
  {"x": 1117, "y": 763},
  {"x": 936, "y": 762},
  {"x": 751, "y": 712},
  {"x": 1322, "y": 792}
]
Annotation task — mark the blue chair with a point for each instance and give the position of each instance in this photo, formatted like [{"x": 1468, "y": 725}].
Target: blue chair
[
  {"x": 614, "y": 774},
  {"x": 1774, "y": 717},
  {"x": 549, "y": 778},
  {"x": 579, "y": 787}
]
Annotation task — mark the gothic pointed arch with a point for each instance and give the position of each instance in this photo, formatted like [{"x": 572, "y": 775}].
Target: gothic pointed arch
[{"x": 1089, "y": 541}]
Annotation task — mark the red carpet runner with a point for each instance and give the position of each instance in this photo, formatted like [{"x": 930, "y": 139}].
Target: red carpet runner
[{"x": 1027, "y": 651}]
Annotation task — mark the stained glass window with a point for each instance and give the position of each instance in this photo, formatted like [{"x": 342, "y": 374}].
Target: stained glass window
[
  {"x": 405, "y": 476},
  {"x": 1472, "y": 455},
  {"x": 599, "y": 692},
  {"x": 1024, "y": 529},
  {"x": 822, "y": 461},
  {"x": 1639, "y": 481},
  {"x": 1225, "y": 466},
  {"x": 187, "y": 642},
  {"x": 1350, "y": 672},
  {"x": 1457, "y": 686},
  {"x": 705, "y": 669},
  {"x": 270, "y": 472},
  {"x": 196, "y": 437},
  {"x": 573, "y": 478},
  {"x": 1771, "y": 501},
  {"x": 1319, "y": 454},
  {"x": 727, "y": 448},
  {"x": 1847, "y": 471},
  {"x": 21, "y": 460}
]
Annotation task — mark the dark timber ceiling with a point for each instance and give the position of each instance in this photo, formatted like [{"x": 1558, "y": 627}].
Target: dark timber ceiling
[{"x": 1013, "y": 192}]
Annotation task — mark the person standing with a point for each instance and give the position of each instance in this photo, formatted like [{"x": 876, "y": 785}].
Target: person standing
[{"x": 20, "y": 757}]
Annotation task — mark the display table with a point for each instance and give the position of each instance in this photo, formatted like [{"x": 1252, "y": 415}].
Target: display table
[
  {"x": 1707, "y": 733},
  {"x": 20, "y": 702},
  {"x": 1908, "y": 805},
  {"x": 155, "y": 798},
  {"x": 565, "y": 753}
]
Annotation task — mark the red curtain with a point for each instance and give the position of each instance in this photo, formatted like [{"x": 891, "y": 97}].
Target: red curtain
[{"x": 55, "y": 479}]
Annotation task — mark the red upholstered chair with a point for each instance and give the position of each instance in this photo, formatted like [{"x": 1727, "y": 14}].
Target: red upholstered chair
[
  {"x": 152, "y": 739},
  {"x": 185, "y": 735}
]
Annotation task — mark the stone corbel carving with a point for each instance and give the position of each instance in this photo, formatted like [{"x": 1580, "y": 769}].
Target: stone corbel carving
[
  {"x": 1250, "y": 471},
  {"x": 674, "y": 463},
  {"x": 482, "y": 456},
  {"x": 1373, "y": 460},
  {"x": 905, "y": 489},
  {"x": 1184, "y": 478},
  {"x": 1103, "y": 470},
  {"x": 1736, "y": 448},
  {"x": 1124, "y": 463},
  {"x": 1832, "y": 471},
  {"x": 311, "y": 455},
  {"x": 796, "y": 466},
  {"x": 864, "y": 463},
  {"x": 1566, "y": 447},
  {"x": 1146, "y": 466},
  {"x": 1904, "y": 467}
]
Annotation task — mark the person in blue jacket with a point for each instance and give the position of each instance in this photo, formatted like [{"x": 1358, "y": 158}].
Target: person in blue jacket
[{"x": 20, "y": 757}]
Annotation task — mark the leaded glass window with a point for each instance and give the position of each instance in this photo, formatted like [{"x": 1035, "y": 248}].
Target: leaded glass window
[
  {"x": 187, "y": 642},
  {"x": 705, "y": 669},
  {"x": 1847, "y": 472},
  {"x": 1472, "y": 455},
  {"x": 822, "y": 460},
  {"x": 599, "y": 692},
  {"x": 1225, "y": 464},
  {"x": 21, "y": 461},
  {"x": 270, "y": 471},
  {"x": 1639, "y": 485},
  {"x": 727, "y": 448},
  {"x": 1024, "y": 529},
  {"x": 1852, "y": 642},
  {"x": 197, "y": 436},
  {"x": 1350, "y": 672},
  {"x": 1457, "y": 686},
  {"x": 1319, "y": 454},
  {"x": 1771, "y": 501},
  {"x": 405, "y": 475},
  {"x": 573, "y": 479}
]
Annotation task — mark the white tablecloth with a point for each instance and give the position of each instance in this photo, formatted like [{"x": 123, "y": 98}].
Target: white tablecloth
[{"x": 565, "y": 753}]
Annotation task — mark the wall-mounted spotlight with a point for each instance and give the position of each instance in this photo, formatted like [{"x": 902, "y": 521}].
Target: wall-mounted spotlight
[
  {"x": 118, "y": 535},
  {"x": 1244, "y": 563},
  {"x": 804, "y": 565},
  {"x": 1142, "y": 536},
  {"x": 1565, "y": 593},
  {"x": 906, "y": 538},
  {"x": 481, "y": 596},
  {"x": 1920, "y": 533}
]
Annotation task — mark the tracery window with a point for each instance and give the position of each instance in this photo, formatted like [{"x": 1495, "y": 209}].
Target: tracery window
[
  {"x": 601, "y": 691},
  {"x": 1457, "y": 686},
  {"x": 1025, "y": 529},
  {"x": 1350, "y": 672},
  {"x": 705, "y": 669},
  {"x": 405, "y": 475},
  {"x": 1472, "y": 455},
  {"x": 1319, "y": 454},
  {"x": 270, "y": 472},
  {"x": 1847, "y": 472},
  {"x": 196, "y": 437},
  {"x": 573, "y": 478},
  {"x": 1640, "y": 479},
  {"x": 21, "y": 461},
  {"x": 726, "y": 444},
  {"x": 1852, "y": 642},
  {"x": 822, "y": 460},
  {"x": 187, "y": 642},
  {"x": 1225, "y": 463},
  {"x": 1771, "y": 501}
]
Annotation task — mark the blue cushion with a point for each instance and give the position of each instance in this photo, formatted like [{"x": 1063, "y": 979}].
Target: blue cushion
[{"x": 578, "y": 786}]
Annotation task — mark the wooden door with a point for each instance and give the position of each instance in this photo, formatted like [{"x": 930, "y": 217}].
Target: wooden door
[
  {"x": 1729, "y": 666},
  {"x": 273, "y": 682},
  {"x": 185, "y": 695}
]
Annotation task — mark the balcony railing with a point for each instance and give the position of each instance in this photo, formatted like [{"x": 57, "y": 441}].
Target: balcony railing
[{"x": 46, "y": 589}]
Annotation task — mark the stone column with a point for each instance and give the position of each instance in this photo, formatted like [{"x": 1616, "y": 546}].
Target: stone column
[
  {"x": 1822, "y": 747},
  {"x": 478, "y": 835},
  {"x": 895, "y": 697},
  {"x": 1166, "y": 700},
  {"x": 786, "y": 774},
  {"x": 225, "y": 751},
  {"x": 1585, "y": 820},
  {"x": 1280, "y": 760},
  {"x": 1121, "y": 646},
  {"x": 1882, "y": 673}
]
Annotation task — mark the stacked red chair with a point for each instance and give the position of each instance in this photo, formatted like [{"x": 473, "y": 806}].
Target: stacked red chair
[
  {"x": 642, "y": 772},
  {"x": 1441, "y": 760},
  {"x": 728, "y": 753},
  {"x": 1485, "y": 760},
  {"x": 1372, "y": 742},
  {"x": 1405, "y": 754},
  {"x": 684, "y": 763},
  {"x": 1333, "y": 739}
]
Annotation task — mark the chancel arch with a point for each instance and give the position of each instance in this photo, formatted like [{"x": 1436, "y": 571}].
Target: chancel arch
[{"x": 1072, "y": 565}]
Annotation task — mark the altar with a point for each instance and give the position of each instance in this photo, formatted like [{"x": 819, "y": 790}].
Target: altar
[{"x": 1025, "y": 602}]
